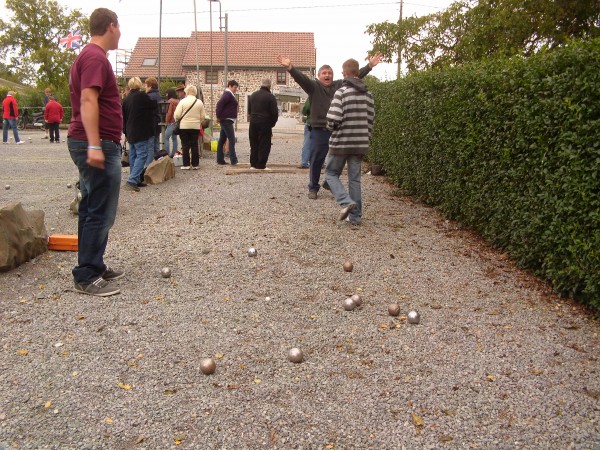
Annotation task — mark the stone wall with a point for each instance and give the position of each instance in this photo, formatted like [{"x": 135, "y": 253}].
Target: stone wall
[{"x": 249, "y": 80}]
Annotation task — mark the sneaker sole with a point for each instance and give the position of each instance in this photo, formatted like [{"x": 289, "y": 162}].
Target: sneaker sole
[{"x": 103, "y": 294}]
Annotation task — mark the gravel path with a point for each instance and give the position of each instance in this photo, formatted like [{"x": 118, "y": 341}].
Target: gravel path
[{"x": 497, "y": 361}]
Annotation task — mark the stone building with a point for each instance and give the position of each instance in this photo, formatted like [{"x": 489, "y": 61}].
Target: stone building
[{"x": 249, "y": 56}]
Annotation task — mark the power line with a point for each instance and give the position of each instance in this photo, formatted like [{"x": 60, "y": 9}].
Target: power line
[{"x": 290, "y": 8}]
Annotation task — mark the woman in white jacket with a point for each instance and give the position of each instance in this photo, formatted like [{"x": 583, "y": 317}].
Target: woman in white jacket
[{"x": 189, "y": 128}]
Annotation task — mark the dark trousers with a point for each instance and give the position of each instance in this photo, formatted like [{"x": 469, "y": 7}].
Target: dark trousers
[
  {"x": 227, "y": 134},
  {"x": 189, "y": 143},
  {"x": 260, "y": 134},
  {"x": 98, "y": 206},
  {"x": 53, "y": 131},
  {"x": 319, "y": 140}
]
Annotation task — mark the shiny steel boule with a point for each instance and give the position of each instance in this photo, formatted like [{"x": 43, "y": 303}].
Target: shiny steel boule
[
  {"x": 413, "y": 317},
  {"x": 165, "y": 272},
  {"x": 7, "y": 187},
  {"x": 349, "y": 304},
  {"x": 394, "y": 309},
  {"x": 252, "y": 251},
  {"x": 69, "y": 185},
  {"x": 208, "y": 366},
  {"x": 357, "y": 299},
  {"x": 295, "y": 355}
]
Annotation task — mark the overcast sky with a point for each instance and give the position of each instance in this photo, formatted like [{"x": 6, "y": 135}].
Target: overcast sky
[{"x": 339, "y": 25}]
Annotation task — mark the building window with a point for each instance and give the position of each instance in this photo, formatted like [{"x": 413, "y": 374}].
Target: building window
[
  {"x": 212, "y": 77},
  {"x": 281, "y": 76},
  {"x": 149, "y": 61}
]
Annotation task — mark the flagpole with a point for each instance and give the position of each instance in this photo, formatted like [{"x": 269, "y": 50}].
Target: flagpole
[
  {"x": 197, "y": 64},
  {"x": 159, "y": 44}
]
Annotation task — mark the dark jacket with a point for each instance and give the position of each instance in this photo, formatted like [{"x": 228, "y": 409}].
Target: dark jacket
[
  {"x": 319, "y": 95},
  {"x": 154, "y": 94},
  {"x": 262, "y": 107},
  {"x": 227, "y": 106},
  {"x": 139, "y": 112}
]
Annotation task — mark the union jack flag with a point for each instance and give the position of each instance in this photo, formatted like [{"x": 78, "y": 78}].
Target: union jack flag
[{"x": 71, "y": 40}]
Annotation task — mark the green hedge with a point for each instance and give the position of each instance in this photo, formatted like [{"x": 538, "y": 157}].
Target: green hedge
[{"x": 510, "y": 148}]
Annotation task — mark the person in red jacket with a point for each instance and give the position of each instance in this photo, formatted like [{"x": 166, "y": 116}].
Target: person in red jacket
[
  {"x": 10, "y": 113},
  {"x": 53, "y": 115}
]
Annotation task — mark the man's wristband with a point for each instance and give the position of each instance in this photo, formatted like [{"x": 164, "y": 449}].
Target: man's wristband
[{"x": 94, "y": 147}]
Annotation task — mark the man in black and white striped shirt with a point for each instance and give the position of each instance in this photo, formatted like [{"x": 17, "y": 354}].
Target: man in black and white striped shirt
[{"x": 350, "y": 119}]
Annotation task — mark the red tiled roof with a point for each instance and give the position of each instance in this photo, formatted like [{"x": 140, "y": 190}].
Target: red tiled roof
[
  {"x": 244, "y": 50},
  {"x": 252, "y": 49},
  {"x": 172, "y": 53}
]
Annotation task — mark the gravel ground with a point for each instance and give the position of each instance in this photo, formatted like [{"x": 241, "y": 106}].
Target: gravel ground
[{"x": 498, "y": 361}]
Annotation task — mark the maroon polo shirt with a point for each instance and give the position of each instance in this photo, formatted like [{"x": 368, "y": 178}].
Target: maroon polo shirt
[{"x": 92, "y": 69}]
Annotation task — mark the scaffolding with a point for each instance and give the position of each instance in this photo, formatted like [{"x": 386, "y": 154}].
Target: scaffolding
[{"x": 122, "y": 58}]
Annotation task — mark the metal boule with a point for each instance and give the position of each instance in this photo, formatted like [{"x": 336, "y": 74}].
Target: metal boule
[
  {"x": 165, "y": 272},
  {"x": 348, "y": 266},
  {"x": 349, "y": 304},
  {"x": 252, "y": 251},
  {"x": 413, "y": 317},
  {"x": 7, "y": 187},
  {"x": 69, "y": 185},
  {"x": 357, "y": 299},
  {"x": 295, "y": 355},
  {"x": 208, "y": 366},
  {"x": 394, "y": 309}
]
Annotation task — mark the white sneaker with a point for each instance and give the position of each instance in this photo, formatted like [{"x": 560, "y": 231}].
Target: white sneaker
[
  {"x": 19, "y": 143},
  {"x": 185, "y": 167},
  {"x": 195, "y": 167},
  {"x": 344, "y": 212}
]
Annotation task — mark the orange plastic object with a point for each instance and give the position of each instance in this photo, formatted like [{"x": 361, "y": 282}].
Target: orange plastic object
[{"x": 66, "y": 242}]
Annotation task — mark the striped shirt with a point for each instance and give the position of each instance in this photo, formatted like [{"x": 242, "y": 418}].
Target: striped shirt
[{"x": 350, "y": 118}]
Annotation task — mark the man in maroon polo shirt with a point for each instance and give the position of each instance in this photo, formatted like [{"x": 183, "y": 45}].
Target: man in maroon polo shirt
[{"x": 94, "y": 138}]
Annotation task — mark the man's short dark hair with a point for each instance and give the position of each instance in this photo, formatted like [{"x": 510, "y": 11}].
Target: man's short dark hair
[
  {"x": 101, "y": 19},
  {"x": 232, "y": 83}
]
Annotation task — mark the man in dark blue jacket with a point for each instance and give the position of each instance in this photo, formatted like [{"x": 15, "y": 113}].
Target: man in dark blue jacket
[{"x": 227, "y": 112}]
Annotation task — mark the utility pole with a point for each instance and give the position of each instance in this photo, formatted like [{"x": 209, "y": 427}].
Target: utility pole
[
  {"x": 225, "y": 68},
  {"x": 399, "y": 49}
]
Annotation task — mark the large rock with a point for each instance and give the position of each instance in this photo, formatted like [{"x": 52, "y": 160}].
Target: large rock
[
  {"x": 22, "y": 235},
  {"x": 160, "y": 170}
]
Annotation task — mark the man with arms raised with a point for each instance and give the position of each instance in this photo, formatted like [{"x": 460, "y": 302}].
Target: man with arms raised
[
  {"x": 320, "y": 93},
  {"x": 94, "y": 138}
]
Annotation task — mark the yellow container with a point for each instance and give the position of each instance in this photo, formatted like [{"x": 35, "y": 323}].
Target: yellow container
[{"x": 213, "y": 146}]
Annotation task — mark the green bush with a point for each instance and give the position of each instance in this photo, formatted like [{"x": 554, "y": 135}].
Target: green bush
[{"x": 511, "y": 148}]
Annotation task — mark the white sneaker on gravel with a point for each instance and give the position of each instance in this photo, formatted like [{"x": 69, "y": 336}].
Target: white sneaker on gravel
[
  {"x": 185, "y": 167},
  {"x": 344, "y": 212}
]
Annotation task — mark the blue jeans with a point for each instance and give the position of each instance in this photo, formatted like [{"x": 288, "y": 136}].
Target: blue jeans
[
  {"x": 10, "y": 123},
  {"x": 319, "y": 146},
  {"x": 98, "y": 207},
  {"x": 154, "y": 149},
  {"x": 335, "y": 165},
  {"x": 227, "y": 134},
  {"x": 305, "y": 157},
  {"x": 169, "y": 136},
  {"x": 138, "y": 157}
]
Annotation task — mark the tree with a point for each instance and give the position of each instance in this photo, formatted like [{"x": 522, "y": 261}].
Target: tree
[
  {"x": 470, "y": 30},
  {"x": 29, "y": 41}
]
